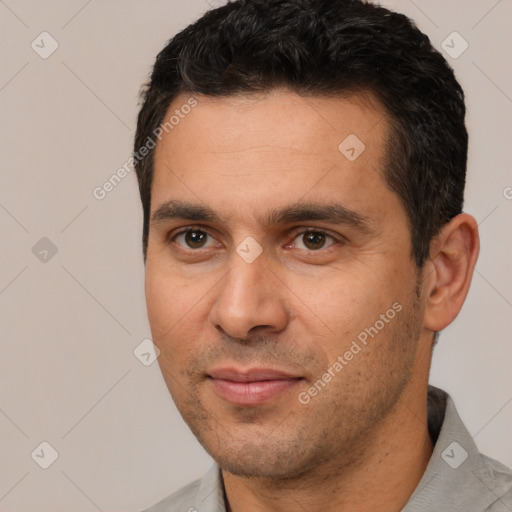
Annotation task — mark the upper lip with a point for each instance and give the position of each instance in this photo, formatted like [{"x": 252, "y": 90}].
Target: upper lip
[{"x": 251, "y": 374}]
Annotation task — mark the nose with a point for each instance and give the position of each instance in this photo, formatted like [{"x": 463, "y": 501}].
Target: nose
[{"x": 251, "y": 299}]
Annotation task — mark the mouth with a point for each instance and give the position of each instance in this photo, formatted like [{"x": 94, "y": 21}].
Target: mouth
[{"x": 250, "y": 387}]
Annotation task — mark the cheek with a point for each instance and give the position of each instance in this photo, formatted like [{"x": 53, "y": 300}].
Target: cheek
[
  {"x": 173, "y": 309},
  {"x": 346, "y": 305},
  {"x": 171, "y": 303},
  {"x": 343, "y": 301}
]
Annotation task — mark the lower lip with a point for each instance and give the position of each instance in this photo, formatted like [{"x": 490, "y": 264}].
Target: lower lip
[{"x": 252, "y": 393}]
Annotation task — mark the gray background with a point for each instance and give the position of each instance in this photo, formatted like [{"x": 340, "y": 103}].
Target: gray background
[{"x": 70, "y": 323}]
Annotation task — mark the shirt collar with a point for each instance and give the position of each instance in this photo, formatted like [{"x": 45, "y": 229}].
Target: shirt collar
[
  {"x": 210, "y": 495},
  {"x": 458, "y": 477}
]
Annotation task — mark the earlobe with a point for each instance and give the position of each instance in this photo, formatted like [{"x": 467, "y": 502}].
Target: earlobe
[{"x": 453, "y": 258}]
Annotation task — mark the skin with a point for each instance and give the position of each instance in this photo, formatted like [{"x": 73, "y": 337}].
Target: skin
[{"x": 361, "y": 443}]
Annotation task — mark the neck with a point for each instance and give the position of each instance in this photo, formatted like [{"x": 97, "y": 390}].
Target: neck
[{"x": 383, "y": 471}]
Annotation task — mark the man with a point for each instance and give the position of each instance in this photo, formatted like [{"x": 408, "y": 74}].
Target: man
[{"x": 301, "y": 166}]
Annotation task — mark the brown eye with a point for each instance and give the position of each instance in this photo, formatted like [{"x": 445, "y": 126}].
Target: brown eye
[
  {"x": 192, "y": 239},
  {"x": 314, "y": 240},
  {"x": 195, "y": 239}
]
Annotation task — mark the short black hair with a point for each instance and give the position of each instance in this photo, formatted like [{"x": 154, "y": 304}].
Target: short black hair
[{"x": 324, "y": 48}]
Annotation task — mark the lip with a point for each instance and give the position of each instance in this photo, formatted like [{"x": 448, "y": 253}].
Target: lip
[
  {"x": 251, "y": 374},
  {"x": 253, "y": 386}
]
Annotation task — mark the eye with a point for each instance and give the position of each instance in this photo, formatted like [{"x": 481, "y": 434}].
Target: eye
[
  {"x": 193, "y": 239},
  {"x": 314, "y": 240}
]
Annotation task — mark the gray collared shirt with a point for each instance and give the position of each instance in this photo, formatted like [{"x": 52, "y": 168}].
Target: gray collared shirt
[{"x": 458, "y": 477}]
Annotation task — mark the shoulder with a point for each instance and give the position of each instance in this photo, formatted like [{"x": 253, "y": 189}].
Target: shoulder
[
  {"x": 181, "y": 500},
  {"x": 498, "y": 479}
]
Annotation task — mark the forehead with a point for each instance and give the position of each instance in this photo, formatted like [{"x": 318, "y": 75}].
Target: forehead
[
  {"x": 255, "y": 150},
  {"x": 311, "y": 124}
]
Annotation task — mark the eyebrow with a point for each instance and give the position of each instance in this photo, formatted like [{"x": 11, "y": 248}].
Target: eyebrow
[
  {"x": 332, "y": 213},
  {"x": 175, "y": 209}
]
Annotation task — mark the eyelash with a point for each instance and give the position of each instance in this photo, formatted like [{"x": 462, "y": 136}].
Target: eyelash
[{"x": 171, "y": 238}]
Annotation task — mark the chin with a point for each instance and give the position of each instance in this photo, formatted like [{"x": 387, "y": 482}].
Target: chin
[
  {"x": 267, "y": 469},
  {"x": 266, "y": 460}
]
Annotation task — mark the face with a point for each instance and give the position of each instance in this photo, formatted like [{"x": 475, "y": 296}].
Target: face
[{"x": 280, "y": 286}]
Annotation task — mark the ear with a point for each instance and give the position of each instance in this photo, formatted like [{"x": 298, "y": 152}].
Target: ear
[{"x": 453, "y": 255}]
